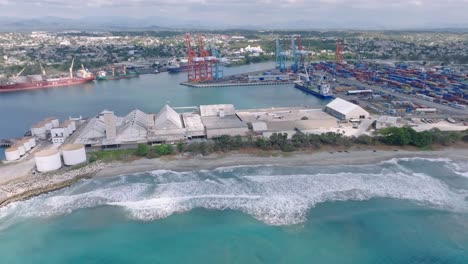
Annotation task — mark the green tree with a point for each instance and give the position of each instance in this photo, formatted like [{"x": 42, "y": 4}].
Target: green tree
[
  {"x": 163, "y": 149},
  {"x": 142, "y": 150}
]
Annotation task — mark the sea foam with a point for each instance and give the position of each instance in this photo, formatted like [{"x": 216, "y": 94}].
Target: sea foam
[{"x": 272, "y": 194}]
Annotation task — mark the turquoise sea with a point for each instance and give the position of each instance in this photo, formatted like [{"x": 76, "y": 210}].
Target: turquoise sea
[{"x": 397, "y": 211}]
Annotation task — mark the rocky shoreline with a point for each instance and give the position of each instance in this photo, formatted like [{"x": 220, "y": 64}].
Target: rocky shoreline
[{"x": 35, "y": 185}]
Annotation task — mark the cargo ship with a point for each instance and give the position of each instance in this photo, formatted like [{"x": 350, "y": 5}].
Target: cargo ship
[
  {"x": 181, "y": 66},
  {"x": 32, "y": 82},
  {"x": 116, "y": 75},
  {"x": 321, "y": 89}
]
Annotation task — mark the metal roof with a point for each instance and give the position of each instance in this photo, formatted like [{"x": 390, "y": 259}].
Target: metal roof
[{"x": 342, "y": 106}]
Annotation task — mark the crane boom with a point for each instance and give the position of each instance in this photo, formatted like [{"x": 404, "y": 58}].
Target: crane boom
[
  {"x": 42, "y": 69},
  {"x": 71, "y": 67},
  {"x": 19, "y": 73}
]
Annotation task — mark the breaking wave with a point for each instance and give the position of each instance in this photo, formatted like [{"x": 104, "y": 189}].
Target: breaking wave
[{"x": 276, "y": 195}]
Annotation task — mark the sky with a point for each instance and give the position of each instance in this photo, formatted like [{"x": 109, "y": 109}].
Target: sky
[{"x": 267, "y": 13}]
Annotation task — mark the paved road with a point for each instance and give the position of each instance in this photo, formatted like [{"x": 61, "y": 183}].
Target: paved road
[{"x": 405, "y": 97}]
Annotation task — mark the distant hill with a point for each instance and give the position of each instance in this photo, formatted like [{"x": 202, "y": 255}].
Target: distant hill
[{"x": 105, "y": 23}]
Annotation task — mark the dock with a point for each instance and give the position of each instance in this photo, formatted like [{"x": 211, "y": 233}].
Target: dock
[
  {"x": 5, "y": 143},
  {"x": 208, "y": 85}
]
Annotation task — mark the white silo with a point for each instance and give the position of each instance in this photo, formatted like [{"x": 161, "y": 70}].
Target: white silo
[
  {"x": 32, "y": 141},
  {"x": 20, "y": 148},
  {"x": 73, "y": 154},
  {"x": 12, "y": 153},
  {"x": 55, "y": 122},
  {"x": 25, "y": 143},
  {"x": 39, "y": 130},
  {"x": 73, "y": 125},
  {"x": 48, "y": 160}
]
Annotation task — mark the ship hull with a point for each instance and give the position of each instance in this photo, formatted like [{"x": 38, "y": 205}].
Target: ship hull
[
  {"x": 117, "y": 77},
  {"x": 178, "y": 69},
  {"x": 44, "y": 84},
  {"x": 312, "y": 92}
]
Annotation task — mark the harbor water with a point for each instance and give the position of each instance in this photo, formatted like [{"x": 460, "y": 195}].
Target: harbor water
[{"x": 397, "y": 211}]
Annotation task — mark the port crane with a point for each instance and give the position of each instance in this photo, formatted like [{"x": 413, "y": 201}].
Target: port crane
[
  {"x": 71, "y": 68},
  {"x": 280, "y": 57},
  {"x": 42, "y": 70},
  {"x": 19, "y": 73}
]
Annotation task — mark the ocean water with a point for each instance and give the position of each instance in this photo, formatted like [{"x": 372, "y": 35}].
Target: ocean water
[{"x": 396, "y": 211}]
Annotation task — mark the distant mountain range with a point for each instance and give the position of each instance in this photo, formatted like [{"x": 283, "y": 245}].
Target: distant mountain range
[{"x": 109, "y": 23}]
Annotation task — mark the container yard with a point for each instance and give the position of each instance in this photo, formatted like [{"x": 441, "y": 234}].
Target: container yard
[{"x": 399, "y": 89}]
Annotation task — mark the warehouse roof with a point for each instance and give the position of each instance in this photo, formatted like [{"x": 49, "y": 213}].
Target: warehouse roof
[
  {"x": 213, "y": 110},
  {"x": 342, "y": 106},
  {"x": 168, "y": 118}
]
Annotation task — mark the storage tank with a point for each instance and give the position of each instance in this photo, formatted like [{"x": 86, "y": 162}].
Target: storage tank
[
  {"x": 39, "y": 130},
  {"x": 48, "y": 124},
  {"x": 25, "y": 143},
  {"x": 48, "y": 160},
  {"x": 73, "y": 154},
  {"x": 20, "y": 148},
  {"x": 54, "y": 122},
  {"x": 12, "y": 153},
  {"x": 32, "y": 141}
]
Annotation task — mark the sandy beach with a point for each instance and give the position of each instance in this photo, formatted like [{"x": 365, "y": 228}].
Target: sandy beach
[{"x": 181, "y": 163}]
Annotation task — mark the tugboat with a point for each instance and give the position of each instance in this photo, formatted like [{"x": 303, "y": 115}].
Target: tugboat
[{"x": 116, "y": 75}]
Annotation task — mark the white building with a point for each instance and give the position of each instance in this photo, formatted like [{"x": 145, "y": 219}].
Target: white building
[
  {"x": 386, "y": 121},
  {"x": 222, "y": 120},
  {"x": 345, "y": 110}
]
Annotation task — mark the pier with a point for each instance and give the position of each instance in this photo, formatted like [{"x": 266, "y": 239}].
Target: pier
[
  {"x": 207, "y": 85},
  {"x": 5, "y": 143}
]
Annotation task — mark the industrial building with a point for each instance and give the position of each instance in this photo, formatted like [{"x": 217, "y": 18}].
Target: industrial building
[
  {"x": 140, "y": 127},
  {"x": 345, "y": 110},
  {"x": 222, "y": 120},
  {"x": 287, "y": 120},
  {"x": 386, "y": 121}
]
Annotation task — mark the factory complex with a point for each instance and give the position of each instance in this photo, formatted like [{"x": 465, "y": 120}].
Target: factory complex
[
  {"x": 54, "y": 144},
  {"x": 213, "y": 121}
]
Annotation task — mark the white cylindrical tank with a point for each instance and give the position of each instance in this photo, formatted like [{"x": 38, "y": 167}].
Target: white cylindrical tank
[
  {"x": 12, "y": 153},
  {"x": 20, "y": 148},
  {"x": 48, "y": 160},
  {"x": 55, "y": 122},
  {"x": 48, "y": 125},
  {"x": 32, "y": 141},
  {"x": 73, "y": 154},
  {"x": 39, "y": 130},
  {"x": 25, "y": 143},
  {"x": 73, "y": 125}
]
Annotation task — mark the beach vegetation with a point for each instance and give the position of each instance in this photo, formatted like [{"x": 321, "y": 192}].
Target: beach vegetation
[
  {"x": 142, "y": 150},
  {"x": 163, "y": 149}
]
